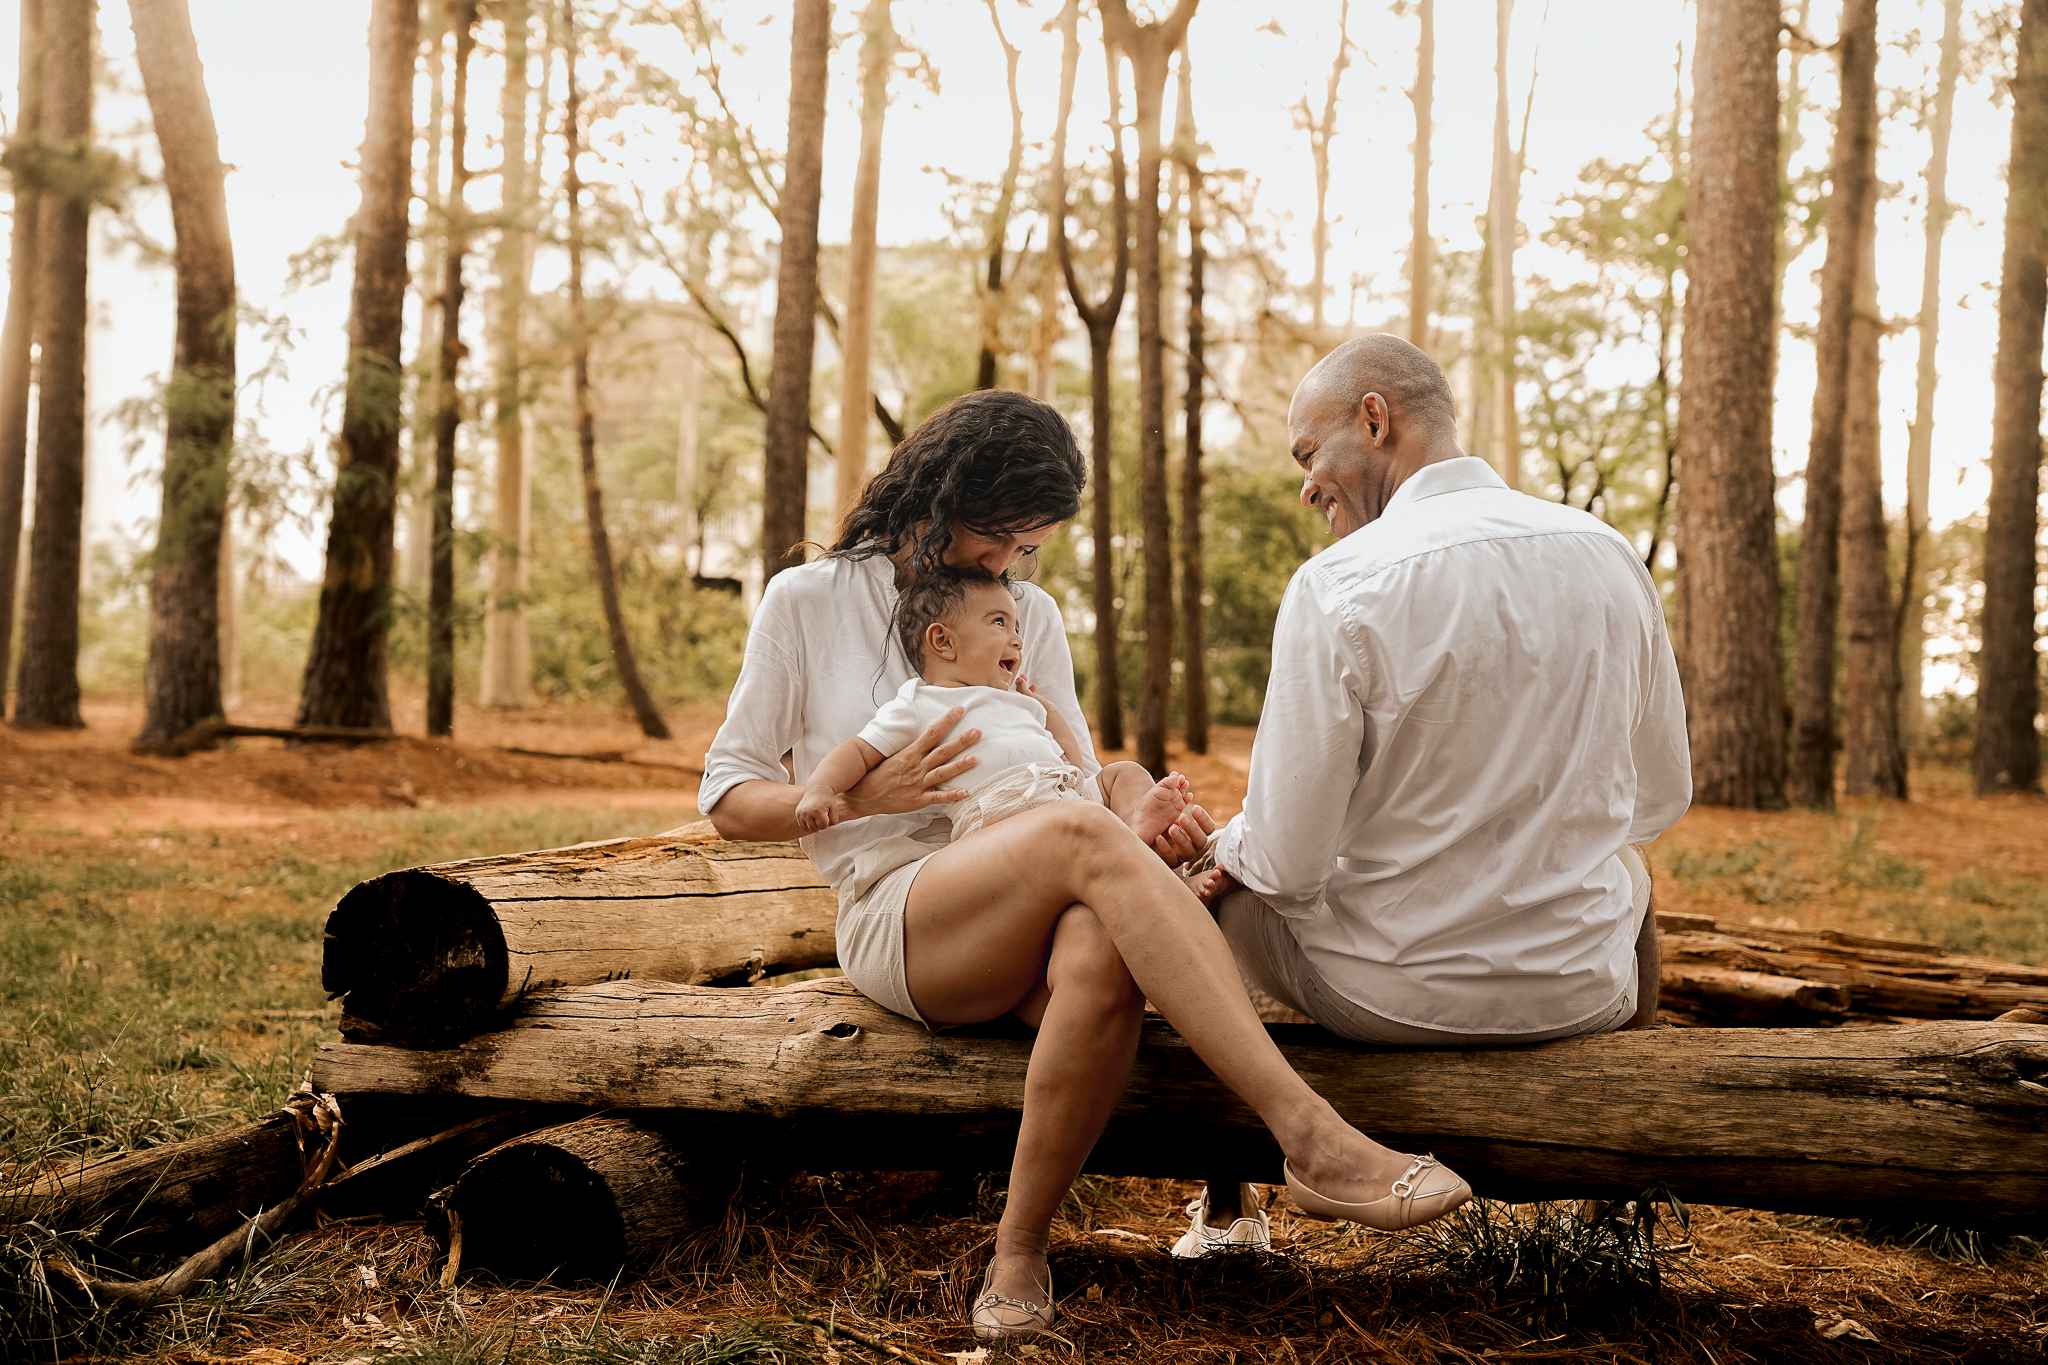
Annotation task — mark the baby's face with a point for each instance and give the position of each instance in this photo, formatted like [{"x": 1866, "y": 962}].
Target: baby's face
[{"x": 988, "y": 648}]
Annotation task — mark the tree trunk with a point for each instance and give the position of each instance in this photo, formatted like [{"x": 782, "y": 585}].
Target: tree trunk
[
  {"x": 2008, "y": 748},
  {"x": 1320, "y": 132},
  {"x": 623, "y": 658},
  {"x": 1194, "y": 675},
  {"x": 46, "y": 686},
  {"x": 1667, "y": 318},
  {"x": 786, "y": 474},
  {"x": 1853, "y": 168},
  {"x": 1913, "y": 581},
  {"x": 416, "y": 492},
  {"x": 1502, "y": 221},
  {"x": 448, "y": 392},
  {"x": 1941, "y": 1122},
  {"x": 1149, "y": 46},
  {"x": 1789, "y": 141},
  {"x": 1100, "y": 319},
  {"x": 438, "y": 952},
  {"x": 1875, "y": 762},
  {"x": 1420, "y": 248},
  {"x": 181, "y": 681},
  {"x": 504, "y": 679},
  {"x": 999, "y": 222},
  {"x": 857, "y": 336},
  {"x": 346, "y": 679},
  {"x": 1727, "y": 539},
  {"x": 23, "y": 272},
  {"x": 576, "y": 1202},
  {"x": 229, "y": 610}
]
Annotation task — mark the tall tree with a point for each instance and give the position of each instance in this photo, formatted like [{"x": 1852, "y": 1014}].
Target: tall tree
[
  {"x": 1874, "y": 760},
  {"x": 1321, "y": 129},
  {"x": 47, "y": 685},
  {"x": 1100, "y": 320},
  {"x": 1419, "y": 245},
  {"x": 992, "y": 290},
  {"x": 417, "y": 489},
  {"x": 1727, "y": 543},
  {"x": 623, "y": 658},
  {"x": 447, "y": 391},
  {"x": 1502, "y": 221},
  {"x": 2008, "y": 748},
  {"x": 505, "y": 676},
  {"x": 785, "y": 478},
  {"x": 346, "y": 679},
  {"x": 1789, "y": 140},
  {"x": 1194, "y": 676},
  {"x": 181, "y": 681},
  {"x": 1148, "y": 46},
  {"x": 1852, "y": 172},
  {"x": 22, "y": 279},
  {"x": 1912, "y": 625},
  {"x": 857, "y": 336}
]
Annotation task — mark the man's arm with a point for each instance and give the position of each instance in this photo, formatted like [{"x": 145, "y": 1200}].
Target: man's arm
[{"x": 1305, "y": 758}]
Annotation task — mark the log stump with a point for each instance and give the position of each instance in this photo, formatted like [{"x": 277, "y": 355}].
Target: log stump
[{"x": 431, "y": 954}]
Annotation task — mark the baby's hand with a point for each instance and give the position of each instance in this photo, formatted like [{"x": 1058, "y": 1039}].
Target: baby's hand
[
  {"x": 1028, "y": 688},
  {"x": 820, "y": 810}
]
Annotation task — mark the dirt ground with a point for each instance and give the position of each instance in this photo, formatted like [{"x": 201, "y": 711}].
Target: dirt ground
[{"x": 1757, "y": 1287}]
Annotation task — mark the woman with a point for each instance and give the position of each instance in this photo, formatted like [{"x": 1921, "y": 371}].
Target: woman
[{"x": 1058, "y": 915}]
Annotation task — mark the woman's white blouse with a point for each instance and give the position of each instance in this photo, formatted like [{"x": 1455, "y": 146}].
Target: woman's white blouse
[{"x": 821, "y": 660}]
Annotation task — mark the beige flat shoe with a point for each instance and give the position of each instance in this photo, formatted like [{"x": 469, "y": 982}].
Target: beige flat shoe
[
  {"x": 1427, "y": 1189},
  {"x": 996, "y": 1317}
]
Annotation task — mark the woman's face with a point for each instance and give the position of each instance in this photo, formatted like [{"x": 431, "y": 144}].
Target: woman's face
[{"x": 1014, "y": 552}]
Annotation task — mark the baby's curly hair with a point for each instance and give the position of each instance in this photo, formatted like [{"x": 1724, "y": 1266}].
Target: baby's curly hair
[{"x": 935, "y": 596}]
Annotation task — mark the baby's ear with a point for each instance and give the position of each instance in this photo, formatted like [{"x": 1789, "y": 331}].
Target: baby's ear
[{"x": 938, "y": 640}]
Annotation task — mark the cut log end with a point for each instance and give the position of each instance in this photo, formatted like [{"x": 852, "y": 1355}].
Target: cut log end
[{"x": 400, "y": 972}]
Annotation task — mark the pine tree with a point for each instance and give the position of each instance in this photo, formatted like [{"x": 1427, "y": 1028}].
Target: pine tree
[{"x": 23, "y": 272}]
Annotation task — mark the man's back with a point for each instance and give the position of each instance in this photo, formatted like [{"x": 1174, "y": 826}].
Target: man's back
[{"x": 1516, "y": 719}]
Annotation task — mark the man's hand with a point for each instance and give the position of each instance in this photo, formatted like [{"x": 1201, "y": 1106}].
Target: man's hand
[{"x": 1186, "y": 837}]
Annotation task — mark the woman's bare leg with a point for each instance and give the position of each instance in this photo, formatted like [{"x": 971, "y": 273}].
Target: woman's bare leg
[
  {"x": 980, "y": 917},
  {"x": 1087, "y": 1012}
]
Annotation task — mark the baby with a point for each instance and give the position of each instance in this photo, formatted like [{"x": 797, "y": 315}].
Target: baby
[{"x": 959, "y": 627}]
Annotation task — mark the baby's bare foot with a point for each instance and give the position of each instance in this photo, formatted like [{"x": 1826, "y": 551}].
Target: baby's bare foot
[{"x": 1160, "y": 807}]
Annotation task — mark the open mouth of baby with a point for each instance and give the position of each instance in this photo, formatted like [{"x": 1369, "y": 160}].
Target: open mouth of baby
[{"x": 1008, "y": 663}]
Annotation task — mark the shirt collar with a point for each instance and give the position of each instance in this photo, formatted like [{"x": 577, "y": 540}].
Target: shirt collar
[{"x": 1446, "y": 476}]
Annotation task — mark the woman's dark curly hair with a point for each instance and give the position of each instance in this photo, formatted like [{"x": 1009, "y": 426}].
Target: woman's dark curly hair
[{"x": 994, "y": 461}]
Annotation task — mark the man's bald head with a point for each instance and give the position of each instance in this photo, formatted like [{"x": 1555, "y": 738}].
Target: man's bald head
[{"x": 1413, "y": 385}]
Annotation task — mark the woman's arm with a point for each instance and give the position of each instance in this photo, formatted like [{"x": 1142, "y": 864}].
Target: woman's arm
[{"x": 911, "y": 779}]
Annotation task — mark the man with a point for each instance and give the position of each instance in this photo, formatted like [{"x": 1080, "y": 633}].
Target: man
[{"x": 1473, "y": 717}]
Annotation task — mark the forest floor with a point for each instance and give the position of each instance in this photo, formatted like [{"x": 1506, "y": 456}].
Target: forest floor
[{"x": 160, "y": 928}]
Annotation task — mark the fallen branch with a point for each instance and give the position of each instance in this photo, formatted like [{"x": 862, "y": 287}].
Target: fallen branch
[
  {"x": 209, "y": 733},
  {"x": 620, "y": 756}
]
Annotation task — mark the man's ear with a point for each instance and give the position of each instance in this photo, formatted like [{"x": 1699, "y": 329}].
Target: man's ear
[
  {"x": 938, "y": 640},
  {"x": 1373, "y": 421}
]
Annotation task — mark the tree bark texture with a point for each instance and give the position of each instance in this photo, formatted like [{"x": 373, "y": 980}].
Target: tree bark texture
[
  {"x": 992, "y": 294},
  {"x": 416, "y": 489},
  {"x": 448, "y": 390},
  {"x": 857, "y": 335},
  {"x": 1194, "y": 676},
  {"x": 346, "y": 680},
  {"x": 46, "y": 686},
  {"x": 786, "y": 475},
  {"x": 1148, "y": 46},
  {"x": 1874, "y": 760},
  {"x": 1420, "y": 249},
  {"x": 1727, "y": 539},
  {"x": 23, "y": 277},
  {"x": 1100, "y": 320},
  {"x": 439, "y": 952},
  {"x": 2008, "y": 748},
  {"x": 1503, "y": 217},
  {"x": 1789, "y": 141},
  {"x": 1852, "y": 171},
  {"x": 1944, "y": 1122},
  {"x": 1913, "y": 584},
  {"x": 504, "y": 678},
  {"x": 182, "y": 678},
  {"x": 577, "y": 1201},
  {"x": 623, "y": 658}
]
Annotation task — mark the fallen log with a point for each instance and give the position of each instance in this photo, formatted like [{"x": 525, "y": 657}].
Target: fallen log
[
  {"x": 438, "y": 953},
  {"x": 574, "y": 1202},
  {"x": 1946, "y": 1122}
]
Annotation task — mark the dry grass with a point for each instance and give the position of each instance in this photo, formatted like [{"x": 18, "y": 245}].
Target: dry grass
[{"x": 133, "y": 1009}]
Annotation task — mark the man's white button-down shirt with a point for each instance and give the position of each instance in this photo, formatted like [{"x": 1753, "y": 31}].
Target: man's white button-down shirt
[{"x": 1473, "y": 707}]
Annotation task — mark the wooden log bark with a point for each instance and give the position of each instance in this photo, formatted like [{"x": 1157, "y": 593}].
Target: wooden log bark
[
  {"x": 1946, "y": 1122},
  {"x": 575, "y": 1202},
  {"x": 436, "y": 953}
]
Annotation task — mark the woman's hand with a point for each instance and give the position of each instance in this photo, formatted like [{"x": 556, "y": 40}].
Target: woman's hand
[{"x": 916, "y": 775}]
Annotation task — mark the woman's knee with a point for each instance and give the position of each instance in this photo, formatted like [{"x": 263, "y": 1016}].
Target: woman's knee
[
  {"x": 1090, "y": 837},
  {"x": 1085, "y": 960}
]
